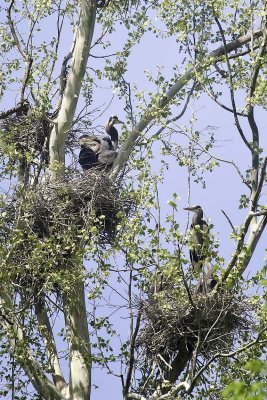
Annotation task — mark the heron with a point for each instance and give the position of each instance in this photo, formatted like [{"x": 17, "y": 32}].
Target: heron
[
  {"x": 100, "y": 149},
  {"x": 198, "y": 228},
  {"x": 207, "y": 282},
  {"x": 112, "y": 131},
  {"x": 24, "y": 109},
  {"x": 87, "y": 155}
]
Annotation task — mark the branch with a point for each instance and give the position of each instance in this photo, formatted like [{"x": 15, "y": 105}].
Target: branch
[
  {"x": 253, "y": 125},
  {"x": 230, "y": 222},
  {"x": 131, "y": 360},
  {"x": 260, "y": 184},
  {"x": 244, "y": 252},
  {"x": 22, "y": 352},
  {"x": 59, "y": 132},
  {"x": 167, "y": 97},
  {"x": 28, "y": 60},
  {"x": 50, "y": 345},
  {"x": 224, "y": 355},
  {"x": 180, "y": 114},
  {"x": 232, "y": 95}
]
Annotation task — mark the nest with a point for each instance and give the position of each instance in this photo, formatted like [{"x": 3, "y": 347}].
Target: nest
[
  {"x": 26, "y": 132},
  {"x": 56, "y": 219},
  {"x": 173, "y": 323},
  {"x": 91, "y": 195},
  {"x": 31, "y": 133}
]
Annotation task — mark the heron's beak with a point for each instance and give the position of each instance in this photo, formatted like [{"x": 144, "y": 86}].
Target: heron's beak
[
  {"x": 119, "y": 122},
  {"x": 189, "y": 208}
]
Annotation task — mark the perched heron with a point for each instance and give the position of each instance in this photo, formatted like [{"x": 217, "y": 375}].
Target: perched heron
[
  {"x": 24, "y": 109},
  {"x": 98, "y": 150},
  {"x": 112, "y": 131},
  {"x": 207, "y": 283},
  {"x": 198, "y": 227},
  {"x": 87, "y": 156}
]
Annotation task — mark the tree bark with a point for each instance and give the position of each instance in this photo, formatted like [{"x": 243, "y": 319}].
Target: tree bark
[
  {"x": 71, "y": 94},
  {"x": 79, "y": 343}
]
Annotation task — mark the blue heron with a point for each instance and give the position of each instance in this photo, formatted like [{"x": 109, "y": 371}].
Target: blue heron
[
  {"x": 199, "y": 228},
  {"x": 112, "y": 131},
  {"x": 96, "y": 151}
]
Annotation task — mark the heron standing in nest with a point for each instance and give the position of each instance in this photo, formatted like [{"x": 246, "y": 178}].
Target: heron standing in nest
[
  {"x": 112, "y": 131},
  {"x": 96, "y": 152},
  {"x": 87, "y": 156},
  {"x": 199, "y": 230}
]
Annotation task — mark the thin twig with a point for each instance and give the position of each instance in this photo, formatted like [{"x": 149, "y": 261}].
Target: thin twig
[{"x": 228, "y": 219}]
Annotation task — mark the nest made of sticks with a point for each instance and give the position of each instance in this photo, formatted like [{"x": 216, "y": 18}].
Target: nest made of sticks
[
  {"x": 31, "y": 133},
  {"x": 26, "y": 132},
  {"x": 89, "y": 198},
  {"x": 50, "y": 223},
  {"x": 173, "y": 322}
]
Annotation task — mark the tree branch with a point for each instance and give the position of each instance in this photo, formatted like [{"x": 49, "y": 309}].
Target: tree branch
[
  {"x": 167, "y": 97},
  {"x": 223, "y": 355},
  {"x": 28, "y": 60},
  {"x": 22, "y": 352},
  {"x": 50, "y": 345},
  {"x": 131, "y": 358},
  {"x": 232, "y": 95}
]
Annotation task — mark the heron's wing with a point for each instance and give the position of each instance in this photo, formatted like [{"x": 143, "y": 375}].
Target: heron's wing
[
  {"x": 107, "y": 156},
  {"x": 87, "y": 158}
]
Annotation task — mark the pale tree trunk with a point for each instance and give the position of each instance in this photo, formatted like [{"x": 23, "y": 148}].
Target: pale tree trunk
[
  {"x": 79, "y": 343},
  {"x": 64, "y": 120}
]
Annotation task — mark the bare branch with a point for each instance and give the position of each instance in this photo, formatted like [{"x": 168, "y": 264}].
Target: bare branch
[
  {"x": 224, "y": 355},
  {"x": 260, "y": 184},
  {"x": 237, "y": 123},
  {"x": 28, "y": 60},
  {"x": 228, "y": 219},
  {"x": 131, "y": 357}
]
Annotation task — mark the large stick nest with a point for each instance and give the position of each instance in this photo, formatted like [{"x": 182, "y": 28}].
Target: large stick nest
[
  {"x": 26, "y": 132},
  {"x": 50, "y": 224},
  {"x": 91, "y": 195},
  {"x": 31, "y": 133},
  {"x": 55, "y": 205},
  {"x": 173, "y": 322}
]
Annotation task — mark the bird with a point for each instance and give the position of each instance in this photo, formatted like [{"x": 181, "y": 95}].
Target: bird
[
  {"x": 24, "y": 108},
  {"x": 96, "y": 151},
  {"x": 198, "y": 228},
  {"x": 87, "y": 156},
  {"x": 207, "y": 282},
  {"x": 112, "y": 131}
]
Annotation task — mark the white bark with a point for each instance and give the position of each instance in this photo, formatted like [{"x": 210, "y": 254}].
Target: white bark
[
  {"x": 79, "y": 343},
  {"x": 72, "y": 91}
]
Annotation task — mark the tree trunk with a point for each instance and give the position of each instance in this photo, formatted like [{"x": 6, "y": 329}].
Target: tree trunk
[{"x": 71, "y": 94}]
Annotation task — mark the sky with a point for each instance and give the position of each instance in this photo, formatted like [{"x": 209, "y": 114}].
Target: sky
[{"x": 223, "y": 187}]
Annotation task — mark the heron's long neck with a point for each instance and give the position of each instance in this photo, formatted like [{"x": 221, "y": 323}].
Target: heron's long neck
[
  {"x": 112, "y": 131},
  {"x": 197, "y": 218}
]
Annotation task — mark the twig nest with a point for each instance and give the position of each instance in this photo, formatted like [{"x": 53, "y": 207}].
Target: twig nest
[
  {"x": 51, "y": 224},
  {"x": 26, "y": 132},
  {"x": 172, "y": 321},
  {"x": 90, "y": 198}
]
